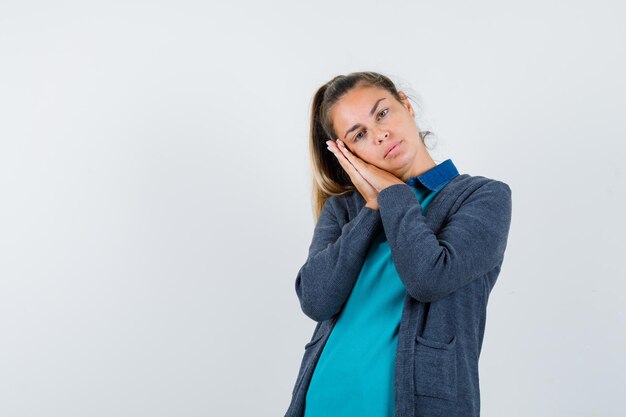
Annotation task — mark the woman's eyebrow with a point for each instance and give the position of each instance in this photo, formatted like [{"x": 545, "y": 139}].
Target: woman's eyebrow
[{"x": 371, "y": 113}]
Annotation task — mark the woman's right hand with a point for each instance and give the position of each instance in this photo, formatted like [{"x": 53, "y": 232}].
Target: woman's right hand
[{"x": 369, "y": 193}]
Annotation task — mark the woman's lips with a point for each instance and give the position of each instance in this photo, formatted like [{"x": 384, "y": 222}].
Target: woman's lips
[{"x": 393, "y": 150}]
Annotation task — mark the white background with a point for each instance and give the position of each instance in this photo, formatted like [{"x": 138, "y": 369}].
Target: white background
[{"x": 155, "y": 193}]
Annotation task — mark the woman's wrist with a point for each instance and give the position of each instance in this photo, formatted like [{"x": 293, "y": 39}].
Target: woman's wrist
[{"x": 372, "y": 204}]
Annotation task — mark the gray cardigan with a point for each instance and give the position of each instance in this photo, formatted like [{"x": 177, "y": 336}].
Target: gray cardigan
[{"x": 448, "y": 260}]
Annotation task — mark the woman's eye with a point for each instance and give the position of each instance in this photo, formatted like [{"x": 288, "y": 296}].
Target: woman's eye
[{"x": 382, "y": 113}]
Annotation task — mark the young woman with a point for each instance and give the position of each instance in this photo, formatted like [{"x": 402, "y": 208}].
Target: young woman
[{"x": 404, "y": 255}]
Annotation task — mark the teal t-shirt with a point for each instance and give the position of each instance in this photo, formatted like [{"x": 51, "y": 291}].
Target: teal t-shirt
[{"x": 355, "y": 374}]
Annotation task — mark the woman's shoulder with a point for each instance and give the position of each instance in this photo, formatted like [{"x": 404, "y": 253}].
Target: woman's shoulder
[
  {"x": 470, "y": 183},
  {"x": 480, "y": 193}
]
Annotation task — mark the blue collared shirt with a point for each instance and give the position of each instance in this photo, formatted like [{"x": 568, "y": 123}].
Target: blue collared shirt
[
  {"x": 427, "y": 185},
  {"x": 437, "y": 177},
  {"x": 355, "y": 374}
]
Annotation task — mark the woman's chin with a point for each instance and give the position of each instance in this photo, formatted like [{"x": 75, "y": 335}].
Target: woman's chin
[{"x": 397, "y": 163}]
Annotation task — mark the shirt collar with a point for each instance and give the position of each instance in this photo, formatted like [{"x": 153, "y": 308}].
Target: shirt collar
[{"x": 436, "y": 177}]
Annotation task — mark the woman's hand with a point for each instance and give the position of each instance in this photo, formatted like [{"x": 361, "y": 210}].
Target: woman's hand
[{"x": 368, "y": 179}]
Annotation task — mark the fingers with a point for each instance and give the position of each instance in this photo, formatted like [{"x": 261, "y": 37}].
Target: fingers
[
  {"x": 344, "y": 161},
  {"x": 332, "y": 146},
  {"x": 357, "y": 162},
  {"x": 362, "y": 185},
  {"x": 360, "y": 170},
  {"x": 363, "y": 168}
]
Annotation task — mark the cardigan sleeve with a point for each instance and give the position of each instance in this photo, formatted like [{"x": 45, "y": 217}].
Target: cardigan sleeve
[
  {"x": 336, "y": 254},
  {"x": 470, "y": 243}
]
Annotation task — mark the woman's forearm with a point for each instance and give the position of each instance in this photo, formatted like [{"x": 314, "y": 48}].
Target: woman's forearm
[
  {"x": 470, "y": 243},
  {"x": 336, "y": 255}
]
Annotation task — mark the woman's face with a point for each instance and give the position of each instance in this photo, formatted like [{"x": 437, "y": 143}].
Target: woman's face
[{"x": 371, "y": 122}]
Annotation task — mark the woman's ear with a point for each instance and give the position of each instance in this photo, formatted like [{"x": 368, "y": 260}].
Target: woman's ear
[{"x": 406, "y": 103}]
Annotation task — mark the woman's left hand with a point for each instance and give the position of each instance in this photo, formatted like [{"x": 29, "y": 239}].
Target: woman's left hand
[{"x": 377, "y": 177}]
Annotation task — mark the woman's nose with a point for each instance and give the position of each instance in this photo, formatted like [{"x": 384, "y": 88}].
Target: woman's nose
[{"x": 382, "y": 134}]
